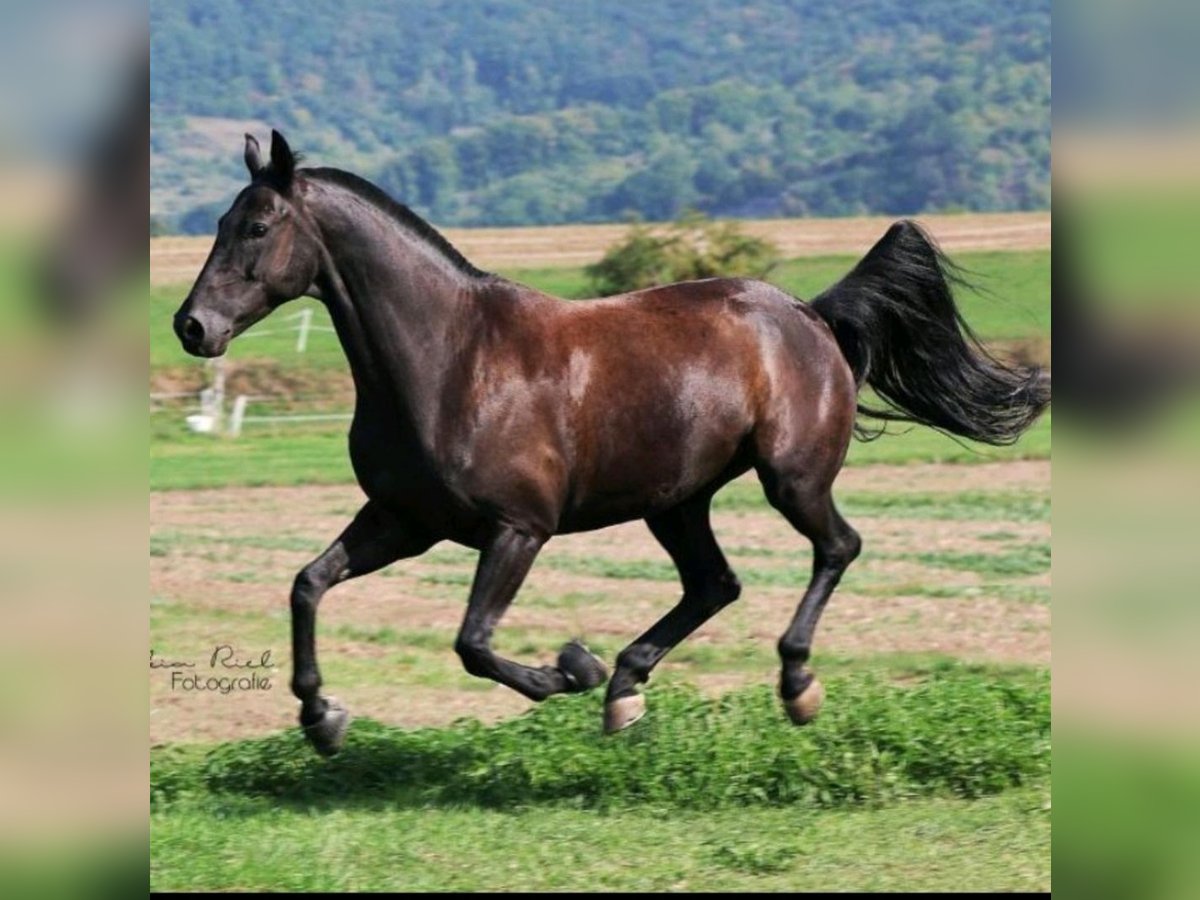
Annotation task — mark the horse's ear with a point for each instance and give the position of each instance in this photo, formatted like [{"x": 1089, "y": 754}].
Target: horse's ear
[
  {"x": 283, "y": 161},
  {"x": 253, "y": 156}
]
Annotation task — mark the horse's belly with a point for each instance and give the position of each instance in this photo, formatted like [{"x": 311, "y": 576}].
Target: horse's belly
[{"x": 646, "y": 480}]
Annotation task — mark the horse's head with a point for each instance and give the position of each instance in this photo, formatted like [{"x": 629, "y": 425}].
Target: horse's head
[{"x": 266, "y": 253}]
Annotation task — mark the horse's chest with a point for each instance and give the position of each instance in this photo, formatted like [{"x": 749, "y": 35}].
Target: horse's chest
[{"x": 389, "y": 469}]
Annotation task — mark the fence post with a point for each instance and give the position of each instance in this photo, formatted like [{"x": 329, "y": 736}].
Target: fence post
[
  {"x": 305, "y": 323},
  {"x": 212, "y": 398},
  {"x": 238, "y": 414}
]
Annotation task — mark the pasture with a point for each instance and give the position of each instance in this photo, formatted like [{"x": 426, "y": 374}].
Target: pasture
[{"x": 927, "y": 770}]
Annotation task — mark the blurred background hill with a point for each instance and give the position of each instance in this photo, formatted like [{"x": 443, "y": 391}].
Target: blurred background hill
[{"x": 520, "y": 112}]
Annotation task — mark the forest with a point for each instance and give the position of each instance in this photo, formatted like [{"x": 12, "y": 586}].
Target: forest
[{"x": 519, "y": 112}]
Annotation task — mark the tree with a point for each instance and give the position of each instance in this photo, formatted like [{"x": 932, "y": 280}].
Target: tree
[
  {"x": 763, "y": 108},
  {"x": 659, "y": 191}
]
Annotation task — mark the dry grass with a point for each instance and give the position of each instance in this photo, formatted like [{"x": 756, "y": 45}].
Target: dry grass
[{"x": 176, "y": 260}]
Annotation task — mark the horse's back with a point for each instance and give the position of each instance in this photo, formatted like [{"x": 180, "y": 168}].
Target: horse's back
[
  {"x": 763, "y": 363},
  {"x": 724, "y": 325}
]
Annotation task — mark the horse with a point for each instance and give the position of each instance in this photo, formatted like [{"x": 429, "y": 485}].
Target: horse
[{"x": 496, "y": 416}]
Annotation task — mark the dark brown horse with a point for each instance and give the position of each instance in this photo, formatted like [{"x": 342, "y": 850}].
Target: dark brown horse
[{"x": 495, "y": 416}]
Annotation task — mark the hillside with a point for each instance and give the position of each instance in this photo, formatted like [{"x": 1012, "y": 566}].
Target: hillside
[{"x": 519, "y": 112}]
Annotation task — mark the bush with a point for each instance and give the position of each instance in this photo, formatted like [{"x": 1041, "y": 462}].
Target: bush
[{"x": 693, "y": 246}]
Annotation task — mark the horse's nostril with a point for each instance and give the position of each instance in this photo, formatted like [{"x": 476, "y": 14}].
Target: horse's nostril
[{"x": 193, "y": 330}]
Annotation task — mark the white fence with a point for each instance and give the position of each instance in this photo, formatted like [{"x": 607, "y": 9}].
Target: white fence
[
  {"x": 302, "y": 328},
  {"x": 238, "y": 418},
  {"x": 204, "y": 410}
]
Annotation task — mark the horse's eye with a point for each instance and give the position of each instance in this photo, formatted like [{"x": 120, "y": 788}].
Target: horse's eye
[{"x": 258, "y": 229}]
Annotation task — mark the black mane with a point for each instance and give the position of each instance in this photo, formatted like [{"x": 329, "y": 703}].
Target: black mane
[{"x": 377, "y": 197}]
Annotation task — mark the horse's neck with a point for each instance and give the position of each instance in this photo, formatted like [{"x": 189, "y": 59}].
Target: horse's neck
[{"x": 399, "y": 310}]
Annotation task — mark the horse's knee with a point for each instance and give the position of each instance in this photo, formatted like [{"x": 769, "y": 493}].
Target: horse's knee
[
  {"x": 308, "y": 586},
  {"x": 714, "y": 592},
  {"x": 723, "y": 590},
  {"x": 311, "y": 583},
  {"x": 475, "y": 656},
  {"x": 851, "y": 545},
  {"x": 842, "y": 549}
]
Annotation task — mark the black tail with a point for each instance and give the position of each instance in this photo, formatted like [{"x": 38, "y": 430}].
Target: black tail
[{"x": 894, "y": 317}]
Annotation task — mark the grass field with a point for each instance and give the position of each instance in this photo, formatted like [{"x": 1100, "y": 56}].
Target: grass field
[
  {"x": 929, "y": 768},
  {"x": 939, "y": 844},
  {"x": 924, "y": 772},
  {"x": 948, "y": 777}
]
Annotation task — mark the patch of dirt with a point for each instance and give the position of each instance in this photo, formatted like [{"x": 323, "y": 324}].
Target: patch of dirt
[
  {"x": 1031, "y": 474},
  {"x": 224, "y": 561}
]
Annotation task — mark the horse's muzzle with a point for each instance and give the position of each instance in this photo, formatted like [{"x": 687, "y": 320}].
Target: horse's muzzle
[{"x": 202, "y": 336}]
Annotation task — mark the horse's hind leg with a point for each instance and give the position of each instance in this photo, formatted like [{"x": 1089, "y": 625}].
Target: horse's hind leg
[
  {"x": 373, "y": 540},
  {"x": 709, "y": 584},
  {"x": 807, "y": 503}
]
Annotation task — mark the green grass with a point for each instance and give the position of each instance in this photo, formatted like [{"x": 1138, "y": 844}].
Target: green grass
[
  {"x": 184, "y": 461},
  {"x": 958, "y": 731},
  {"x": 905, "y": 444},
  {"x": 958, "y": 758},
  {"x": 273, "y": 338},
  {"x": 1012, "y": 300},
  {"x": 1023, "y": 593},
  {"x": 1024, "y": 559},
  {"x": 168, "y": 541},
  {"x": 621, "y": 569},
  {"x": 1015, "y": 561},
  {"x": 995, "y": 843},
  {"x": 745, "y": 494}
]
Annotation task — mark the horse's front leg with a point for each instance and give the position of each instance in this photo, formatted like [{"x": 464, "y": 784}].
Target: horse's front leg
[
  {"x": 503, "y": 565},
  {"x": 373, "y": 540}
]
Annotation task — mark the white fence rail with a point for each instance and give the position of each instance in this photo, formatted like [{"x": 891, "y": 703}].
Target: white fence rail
[
  {"x": 238, "y": 417},
  {"x": 303, "y": 328},
  {"x": 205, "y": 414}
]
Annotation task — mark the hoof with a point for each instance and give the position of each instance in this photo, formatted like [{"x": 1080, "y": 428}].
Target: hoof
[
  {"x": 583, "y": 670},
  {"x": 803, "y": 708},
  {"x": 623, "y": 712},
  {"x": 328, "y": 732}
]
